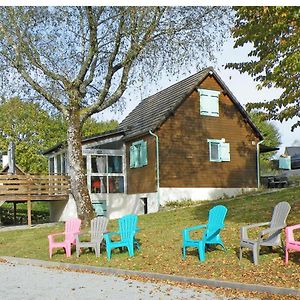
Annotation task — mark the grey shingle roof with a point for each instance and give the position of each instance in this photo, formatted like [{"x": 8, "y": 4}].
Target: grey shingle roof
[
  {"x": 292, "y": 151},
  {"x": 151, "y": 112}
]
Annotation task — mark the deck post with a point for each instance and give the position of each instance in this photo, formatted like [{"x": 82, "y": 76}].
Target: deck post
[
  {"x": 29, "y": 212},
  {"x": 15, "y": 213}
]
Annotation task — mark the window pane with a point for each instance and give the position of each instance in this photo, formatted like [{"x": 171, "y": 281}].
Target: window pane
[
  {"x": 58, "y": 164},
  {"x": 115, "y": 164},
  {"x": 98, "y": 164},
  {"x": 214, "y": 151},
  {"x": 116, "y": 184},
  {"x": 98, "y": 184},
  {"x": 64, "y": 164},
  {"x": 51, "y": 166}
]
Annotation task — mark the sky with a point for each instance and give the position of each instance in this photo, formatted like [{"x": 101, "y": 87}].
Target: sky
[{"x": 241, "y": 85}]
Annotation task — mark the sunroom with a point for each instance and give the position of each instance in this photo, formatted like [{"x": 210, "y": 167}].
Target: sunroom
[{"x": 105, "y": 169}]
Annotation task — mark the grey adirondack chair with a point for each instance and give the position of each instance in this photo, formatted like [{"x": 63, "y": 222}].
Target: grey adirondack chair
[
  {"x": 271, "y": 236},
  {"x": 98, "y": 228}
]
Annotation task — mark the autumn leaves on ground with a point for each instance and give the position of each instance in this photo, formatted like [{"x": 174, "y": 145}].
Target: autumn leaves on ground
[{"x": 160, "y": 240}]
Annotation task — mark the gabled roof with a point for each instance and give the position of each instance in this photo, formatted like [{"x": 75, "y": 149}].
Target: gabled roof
[
  {"x": 154, "y": 110},
  {"x": 292, "y": 151}
]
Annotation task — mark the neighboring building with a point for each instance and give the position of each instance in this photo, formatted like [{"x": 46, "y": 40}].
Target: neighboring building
[
  {"x": 290, "y": 159},
  {"x": 192, "y": 140}
]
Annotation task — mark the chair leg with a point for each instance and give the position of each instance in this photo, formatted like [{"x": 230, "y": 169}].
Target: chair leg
[
  {"x": 77, "y": 250},
  {"x": 286, "y": 256},
  {"x": 108, "y": 253},
  {"x": 135, "y": 242},
  {"x": 68, "y": 249},
  {"x": 130, "y": 250},
  {"x": 50, "y": 252},
  {"x": 201, "y": 251},
  {"x": 222, "y": 245},
  {"x": 183, "y": 252},
  {"x": 241, "y": 252},
  {"x": 97, "y": 249},
  {"x": 255, "y": 251}
]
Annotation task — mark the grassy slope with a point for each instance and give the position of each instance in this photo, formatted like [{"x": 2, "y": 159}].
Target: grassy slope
[{"x": 160, "y": 239}]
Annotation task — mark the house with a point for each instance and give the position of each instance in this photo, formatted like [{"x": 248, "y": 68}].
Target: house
[
  {"x": 290, "y": 158},
  {"x": 192, "y": 140}
]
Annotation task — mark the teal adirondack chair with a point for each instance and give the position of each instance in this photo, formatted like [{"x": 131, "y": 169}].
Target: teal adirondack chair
[
  {"x": 211, "y": 234},
  {"x": 127, "y": 230}
]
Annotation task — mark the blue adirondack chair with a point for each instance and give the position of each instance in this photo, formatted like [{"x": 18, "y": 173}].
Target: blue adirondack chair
[
  {"x": 211, "y": 234},
  {"x": 127, "y": 230}
]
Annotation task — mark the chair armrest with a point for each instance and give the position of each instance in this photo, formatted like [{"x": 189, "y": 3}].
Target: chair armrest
[
  {"x": 109, "y": 234},
  {"x": 194, "y": 228},
  {"x": 289, "y": 231},
  {"x": 293, "y": 227},
  {"x": 56, "y": 234},
  {"x": 81, "y": 234},
  {"x": 256, "y": 225},
  {"x": 270, "y": 230},
  {"x": 244, "y": 229},
  {"x": 186, "y": 232}
]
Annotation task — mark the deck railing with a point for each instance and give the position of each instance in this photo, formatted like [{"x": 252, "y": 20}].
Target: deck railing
[{"x": 27, "y": 188}]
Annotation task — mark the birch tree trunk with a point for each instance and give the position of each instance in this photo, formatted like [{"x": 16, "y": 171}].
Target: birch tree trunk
[{"x": 79, "y": 188}]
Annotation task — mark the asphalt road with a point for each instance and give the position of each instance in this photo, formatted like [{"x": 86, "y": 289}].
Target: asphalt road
[{"x": 18, "y": 281}]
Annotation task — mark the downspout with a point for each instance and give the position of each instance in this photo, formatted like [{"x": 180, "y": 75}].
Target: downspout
[
  {"x": 157, "y": 167},
  {"x": 258, "y": 164}
]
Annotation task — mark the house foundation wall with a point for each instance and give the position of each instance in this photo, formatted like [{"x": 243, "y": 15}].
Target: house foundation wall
[
  {"x": 198, "y": 194},
  {"x": 119, "y": 205},
  {"x": 61, "y": 211}
]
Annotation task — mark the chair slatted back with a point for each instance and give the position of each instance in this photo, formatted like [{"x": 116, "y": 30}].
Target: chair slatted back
[
  {"x": 98, "y": 227},
  {"x": 127, "y": 226}
]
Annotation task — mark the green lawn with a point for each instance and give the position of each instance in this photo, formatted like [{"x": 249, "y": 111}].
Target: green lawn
[{"x": 160, "y": 239}]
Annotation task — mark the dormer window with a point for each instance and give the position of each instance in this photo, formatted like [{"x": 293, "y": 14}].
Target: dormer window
[{"x": 209, "y": 102}]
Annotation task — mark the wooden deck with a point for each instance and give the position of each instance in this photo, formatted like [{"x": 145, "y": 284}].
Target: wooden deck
[{"x": 27, "y": 188}]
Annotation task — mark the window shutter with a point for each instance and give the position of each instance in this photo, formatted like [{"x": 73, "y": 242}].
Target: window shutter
[
  {"x": 143, "y": 154},
  {"x": 225, "y": 151},
  {"x": 209, "y": 102},
  {"x": 133, "y": 156},
  {"x": 204, "y": 105}
]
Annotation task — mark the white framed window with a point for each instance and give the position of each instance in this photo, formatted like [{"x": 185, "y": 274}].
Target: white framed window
[
  {"x": 218, "y": 150},
  {"x": 106, "y": 174},
  {"x": 209, "y": 102}
]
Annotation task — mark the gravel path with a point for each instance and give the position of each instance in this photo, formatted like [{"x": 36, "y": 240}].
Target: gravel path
[{"x": 24, "y": 282}]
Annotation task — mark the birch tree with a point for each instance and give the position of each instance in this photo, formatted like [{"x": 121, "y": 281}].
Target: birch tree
[{"x": 81, "y": 59}]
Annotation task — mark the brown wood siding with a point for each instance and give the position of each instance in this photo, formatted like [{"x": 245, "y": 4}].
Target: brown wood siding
[
  {"x": 184, "y": 152},
  {"x": 142, "y": 180}
]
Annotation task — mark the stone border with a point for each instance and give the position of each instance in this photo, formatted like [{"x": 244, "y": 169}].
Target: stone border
[{"x": 173, "y": 278}]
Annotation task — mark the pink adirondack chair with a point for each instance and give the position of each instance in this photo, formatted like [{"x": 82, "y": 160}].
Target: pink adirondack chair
[
  {"x": 72, "y": 227},
  {"x": 290, "y": 242}
]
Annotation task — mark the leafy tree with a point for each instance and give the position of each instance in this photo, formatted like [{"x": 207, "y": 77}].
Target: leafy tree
[
  {"x": 82, "y": 59},
  {"x": 274, "y": 33},
  {"x": 271, "y": 138},
  {"x": 33, "y": 130}
]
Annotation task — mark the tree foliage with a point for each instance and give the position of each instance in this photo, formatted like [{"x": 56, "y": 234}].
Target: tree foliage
[
  {"x": 271, "y": 138},
  {"x": 82, "y": 59},
  {"x": 33, "y": 130},
  {"x": 274, "y": 33}
]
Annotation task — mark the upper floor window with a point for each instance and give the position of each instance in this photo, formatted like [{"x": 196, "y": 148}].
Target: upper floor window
[
  {"x": 209, "y": 102},
  {"x": 218, "y": 150},
  {"x": 138, "y": 154}
]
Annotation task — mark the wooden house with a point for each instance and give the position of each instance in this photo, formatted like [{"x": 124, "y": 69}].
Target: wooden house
[{"x": 192, "y": 140}]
